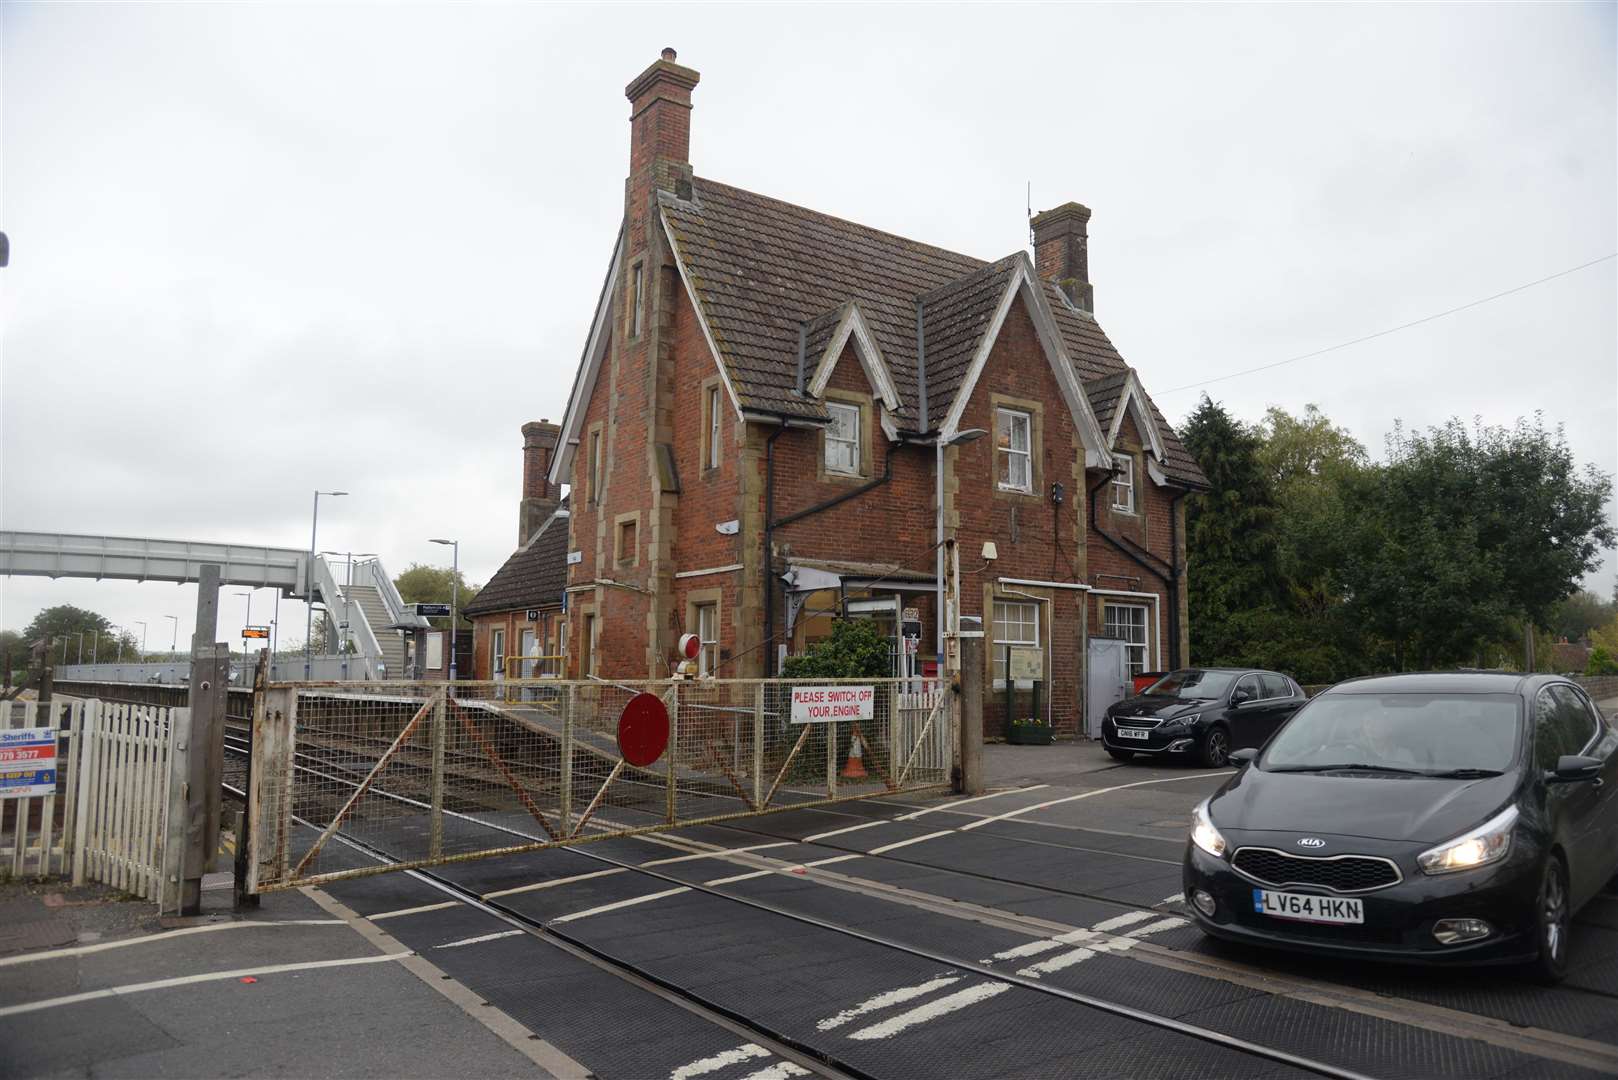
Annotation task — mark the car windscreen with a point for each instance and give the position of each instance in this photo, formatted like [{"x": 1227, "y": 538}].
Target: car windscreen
[
  {"x": 1427, "y": 733},
  {"x": 1193, "y": 685}
]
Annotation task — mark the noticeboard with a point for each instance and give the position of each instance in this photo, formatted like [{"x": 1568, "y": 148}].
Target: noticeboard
[
  {"x": 27, "y": 762},
  {"x": 1027, "y": 664},
  {"x": 830, "y": 704}
]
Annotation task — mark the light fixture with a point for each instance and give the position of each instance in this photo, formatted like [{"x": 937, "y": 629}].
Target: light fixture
[
  {"x": 990, "y": 553},
  {"x": 969, "y": 435}
]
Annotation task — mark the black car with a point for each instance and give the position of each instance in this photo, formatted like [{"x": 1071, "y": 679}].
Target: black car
[
  {"x": 1204, "y": 712},
  {"x": 1444, "y": 818}
]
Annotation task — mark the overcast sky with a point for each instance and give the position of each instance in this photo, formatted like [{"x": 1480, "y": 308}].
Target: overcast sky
[{"x": 258, "y": 249}]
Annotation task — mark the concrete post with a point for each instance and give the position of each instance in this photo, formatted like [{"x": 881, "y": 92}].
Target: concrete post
[
  {"x": 969, "y": 703},
  {"x": 199, "y": 757}
]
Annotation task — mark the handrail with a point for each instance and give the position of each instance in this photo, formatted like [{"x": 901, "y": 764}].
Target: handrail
[
  {"x": 369, "y": 648},
  {"x": 398, "y": 612}
]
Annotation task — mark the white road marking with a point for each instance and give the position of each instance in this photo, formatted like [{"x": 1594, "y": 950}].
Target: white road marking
[
  {"x": 554, "y": 882},
  {"x": 620, "y": 904},
  {"x": 169, "y": 935},
  {"x": 887, "y": 999},
  {"x": 1057, "y": 963},
  {"x": 1177, "y": 898},
  {"x": 834, "y": 859},
  {"x": 848, "y": 829},
  {"x": 1157, "y": 927},
  {"x": 716, "y": 854},
  {"x": 921, "y": 1014},
  {"x": 1111, "y": 945},
  {"x": 907, "y": 843},
  {"x": 1128, "y": 918},
  {"x": 788, "y": 869},
  {"x": 722, "y": 1060},
  {"x": 188, "y": 980},
  {"x": 1034, "y": 948},
  {"x": 779, "y": 1071},
  {"x": 480, "y": 939},
  {"x": 414, "y": 910},
  {"x": 980, "y": 822},
  {"x": 963, "y": 802}
]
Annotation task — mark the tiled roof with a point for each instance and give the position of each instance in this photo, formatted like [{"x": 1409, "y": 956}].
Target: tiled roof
[
  {"x": 762, "y": 268},
  {"x": 535, "y": 574},
  {"x": 1104, "y": 394}
]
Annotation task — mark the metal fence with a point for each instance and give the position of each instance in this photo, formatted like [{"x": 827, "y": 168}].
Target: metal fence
[{"x": 429, "y": 773}]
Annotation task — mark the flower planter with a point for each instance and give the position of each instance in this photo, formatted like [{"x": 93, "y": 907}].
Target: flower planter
[{"x": 1030, "y": 735}]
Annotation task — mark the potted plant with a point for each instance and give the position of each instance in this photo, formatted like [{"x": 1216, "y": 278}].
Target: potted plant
[{"x": 1030, "y": 731}]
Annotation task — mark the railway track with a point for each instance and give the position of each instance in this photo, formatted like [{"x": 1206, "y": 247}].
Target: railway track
[{"x": 802, "y": 1051}]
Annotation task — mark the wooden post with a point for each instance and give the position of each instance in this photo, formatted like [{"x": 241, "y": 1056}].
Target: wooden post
[{"x": 969, "y": 703}]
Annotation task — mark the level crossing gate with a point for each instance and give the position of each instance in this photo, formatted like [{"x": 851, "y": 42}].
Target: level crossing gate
[{"x": 348, "y": 780}]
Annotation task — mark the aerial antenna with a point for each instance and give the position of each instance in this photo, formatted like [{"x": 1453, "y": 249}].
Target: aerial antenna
[{"x": 1029, "y": 213}]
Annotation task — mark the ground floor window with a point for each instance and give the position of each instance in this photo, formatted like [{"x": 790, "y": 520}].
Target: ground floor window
[
  {"x": 497, "y": 651},
  {"x": 587, "y": 662},
  {"x": 1128, "y": 621},
  {"x": 708, "y": 636},
  {"x": 1016, "y": 625}
]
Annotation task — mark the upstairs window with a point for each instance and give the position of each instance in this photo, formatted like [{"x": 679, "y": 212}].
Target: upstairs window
[
  {"x": 595, "y": 468},
  {"x": 713, "y": 427},
  {"x": 1123, "y": 483},
  {"x": 843, "y": 439},
  {"x": 635, "y": 300},
  {"x": 1013, "y": 442}
]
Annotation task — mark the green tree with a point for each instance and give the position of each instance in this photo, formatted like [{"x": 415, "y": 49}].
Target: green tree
[
  {"x": 1575, "y": 616},
  {"x": 63, "y": 620},
  {"x": 856, "y": 649},
  {"x": 423, "y": 584},
  {"x": 1601, "y": 663}
]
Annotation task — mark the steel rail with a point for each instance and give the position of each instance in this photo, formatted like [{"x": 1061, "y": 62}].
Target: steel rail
[{"x": 1142, "y": 1016}]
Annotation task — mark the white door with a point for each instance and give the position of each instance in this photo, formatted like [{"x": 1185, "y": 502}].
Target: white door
[
  {"x": 529, "y": 648},
  {"x": 1106, "y": 680}
]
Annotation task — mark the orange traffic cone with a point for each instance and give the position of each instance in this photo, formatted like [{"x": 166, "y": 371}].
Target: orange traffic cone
[{"x": 854, "y": 767}]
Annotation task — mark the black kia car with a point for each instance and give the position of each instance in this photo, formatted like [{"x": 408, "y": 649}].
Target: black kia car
[
  {"x": 1441, "y": 818},
  {"x": 1203, "y": 713}
]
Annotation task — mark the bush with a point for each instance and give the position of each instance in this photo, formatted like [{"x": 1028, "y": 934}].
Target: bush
[
  {"x": 1601, "y": 663},
  {"x": 856, "y": 649}
]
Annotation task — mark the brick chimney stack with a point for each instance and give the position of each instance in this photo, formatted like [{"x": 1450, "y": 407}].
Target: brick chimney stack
[
  {"x": 1062, "y": 251},
  {"x": 660, "y": 124},
  {"x": 540, "y": 497}
]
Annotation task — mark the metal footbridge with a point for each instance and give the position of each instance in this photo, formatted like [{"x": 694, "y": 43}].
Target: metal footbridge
[{"x": 367, "y": 599}]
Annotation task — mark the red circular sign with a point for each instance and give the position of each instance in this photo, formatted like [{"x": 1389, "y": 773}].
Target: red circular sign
[{"x": 643, "y": 730}]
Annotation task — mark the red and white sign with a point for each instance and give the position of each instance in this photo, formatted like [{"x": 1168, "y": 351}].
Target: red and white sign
[
  {"x": 831, "y": 704},
  {"x": 27, "y": 762},
  {"x": 690, "y": 646}
]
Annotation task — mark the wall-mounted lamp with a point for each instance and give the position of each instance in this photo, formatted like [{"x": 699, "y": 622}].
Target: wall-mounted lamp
[{"x": 989, "y": 551}]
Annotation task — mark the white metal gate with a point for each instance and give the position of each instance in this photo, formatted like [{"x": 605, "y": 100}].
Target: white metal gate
[{"x": 124, "y": 776}]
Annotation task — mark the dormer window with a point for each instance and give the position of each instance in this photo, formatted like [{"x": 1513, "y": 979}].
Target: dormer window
[
  {"x": 1013, "y": 441},
  {"x": 843, "y": 439},
  {"x": 1123, "y": 483}
]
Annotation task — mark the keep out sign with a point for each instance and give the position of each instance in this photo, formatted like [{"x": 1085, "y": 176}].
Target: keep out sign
[{"x": 829, "y": 704}]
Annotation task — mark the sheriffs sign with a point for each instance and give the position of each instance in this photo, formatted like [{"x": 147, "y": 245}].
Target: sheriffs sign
[
  {"x": 829, "y": 704},
  {"x": 27, "y": 762}
]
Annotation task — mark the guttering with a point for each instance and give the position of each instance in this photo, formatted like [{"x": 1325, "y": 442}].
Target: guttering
[
  {"x": 783, "y": 420},
  {"x": 1124, "y": 549},
  {"x": 921, "y": 365},
  {"x": 1175, "y": 570}
]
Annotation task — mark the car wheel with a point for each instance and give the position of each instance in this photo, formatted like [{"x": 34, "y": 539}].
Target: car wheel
[
  {"x": 1553, "y": 916},
  {"x": 1215, "y": 751},
  {"x": 1120, "y": 755}
]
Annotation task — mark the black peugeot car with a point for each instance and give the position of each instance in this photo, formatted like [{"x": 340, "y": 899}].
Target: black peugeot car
[
  {"x": 1204, "y": 713},
  {"x": 1440, "y": 818}
]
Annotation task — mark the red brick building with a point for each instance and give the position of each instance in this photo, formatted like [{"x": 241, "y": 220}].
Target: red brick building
[{"x": 779, "y": 417}]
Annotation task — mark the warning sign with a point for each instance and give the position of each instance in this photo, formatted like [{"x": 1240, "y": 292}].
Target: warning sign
[
  {"x": 829, "y": 704},
  {"x": 27, "y": 762}
]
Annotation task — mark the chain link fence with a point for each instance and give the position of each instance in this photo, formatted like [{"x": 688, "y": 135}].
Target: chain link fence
[{"x": 430, "y": 773}]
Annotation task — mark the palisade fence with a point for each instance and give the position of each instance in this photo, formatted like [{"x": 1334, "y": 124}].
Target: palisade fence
[
  {"x": 106, "y": 819},
  {"x": 350, "y": 780}
]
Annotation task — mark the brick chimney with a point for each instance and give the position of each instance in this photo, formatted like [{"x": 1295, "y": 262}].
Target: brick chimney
[
  {"x": 660, "y": 125},
  {"x": 540, "y": 497},
  {"x": 1062, "y": 251}
]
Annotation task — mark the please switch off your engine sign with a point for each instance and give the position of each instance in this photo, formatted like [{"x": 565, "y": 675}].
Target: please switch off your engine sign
[{"x": 829, "y": 704}]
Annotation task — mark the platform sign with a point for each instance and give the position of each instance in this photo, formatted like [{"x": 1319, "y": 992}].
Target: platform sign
[
  {"x": 830, "y": 704},
  {"x": 27, "y": 762},
  {"x": 255, "y": 633},
  {"x": 432, "y": 610}
]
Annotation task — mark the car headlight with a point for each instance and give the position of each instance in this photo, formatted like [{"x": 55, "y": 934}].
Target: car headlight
[
  {"x": 1488, "y": 843},
  {"x": 1203, "y": 833}
]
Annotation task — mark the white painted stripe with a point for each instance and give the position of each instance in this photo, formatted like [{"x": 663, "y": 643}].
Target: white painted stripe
[
  {"x": 781, "y": 1070},
  {"x": 1034, "y": 948},
  {"x": 887, "y": 999},
  {"x": 963, "y": 802},
  {"x": 168, "y": 935},
  {"x": 618, "y": 905},
  {"x": 717, "y": 854},
  {"x": 834, "y": 859},
  {"x": 1154, "y": 928},
  {"x": 553, "y": 883},
  {"x": 848, "y": 829},
  {"x": 189, "y": 980},
  {"x": 401, "y": 912},
  {"x": 722, "y": 1060},
  {"x": 921, "y": 1014},
  {"x": 784, "y": 869},
  {"x": 480, "y": 939},
  {"x": 1117, "y": 922},
  {"x": 1057, "y": 963},
  {"x": 742, "y": 877},
  {"x": 907, "y": 843},
  {"x": 978, "y": 824},
  {"x": 1177, "y": 898}
]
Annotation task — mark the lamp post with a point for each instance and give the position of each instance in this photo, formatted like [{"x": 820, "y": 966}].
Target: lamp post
[
  {"x": 247, "y": 620},
  {"x": 142, "y": 626},
  {"x": 454, "y": 599},
  {"x": 174, "y": 641},
  {"x": 80, "y": 660},
  {"x": 309, "y": 618}
]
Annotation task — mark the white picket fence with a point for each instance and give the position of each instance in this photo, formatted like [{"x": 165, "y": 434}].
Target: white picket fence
[{"x": 107, "y": 821}]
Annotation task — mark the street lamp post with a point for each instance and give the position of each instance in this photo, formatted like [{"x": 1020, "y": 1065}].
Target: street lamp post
[
  {"x": 174, "y": 642},
  {"x": 142, "y": 626},
  {"x": 309, "y": 618},
  {"x": 454, "y": 599},
  {"x": 80, "y": 660},
  {"x": 247, "y": 620}
]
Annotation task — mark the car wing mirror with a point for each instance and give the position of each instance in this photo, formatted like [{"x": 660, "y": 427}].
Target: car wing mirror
[
  {"x": 1575, "y": 768},
  {"x": 1238, "y": 698},
  {"x": 1244, "y": 757}
]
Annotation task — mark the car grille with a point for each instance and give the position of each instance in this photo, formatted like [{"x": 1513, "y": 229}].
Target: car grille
[
  {"x": 1137, "y": 721},
  {"x": 1339, "y": 873}
]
